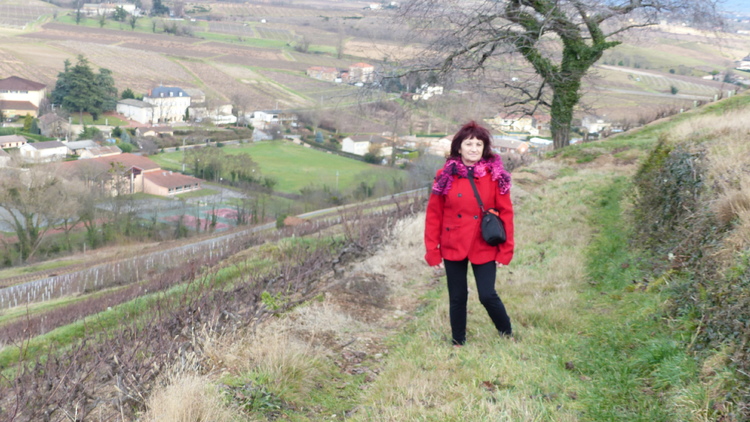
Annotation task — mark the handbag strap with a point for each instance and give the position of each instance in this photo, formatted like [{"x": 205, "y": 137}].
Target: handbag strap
[{"x": 476, "y": 192}]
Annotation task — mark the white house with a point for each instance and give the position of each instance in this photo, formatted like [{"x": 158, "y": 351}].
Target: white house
[
  {"x": 170, "y": 104},
  {"x": 140, "y": 111},
  {"x": 264, "y": 118},
  {"x": 362, "y": 144},
  {"x": 19, "y": 96},
  {"x": 43, "y": 151}
]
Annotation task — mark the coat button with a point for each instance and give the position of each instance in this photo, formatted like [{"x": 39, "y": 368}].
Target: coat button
[
  {"x": 476, "y": 217},
  {"x": 459, "y": 215},
  {"x": 447, "y": 229},
  {"x": 459, "y": 195}
]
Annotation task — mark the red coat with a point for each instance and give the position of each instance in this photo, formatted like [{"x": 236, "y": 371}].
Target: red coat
[{"x": 452, "y": 226}]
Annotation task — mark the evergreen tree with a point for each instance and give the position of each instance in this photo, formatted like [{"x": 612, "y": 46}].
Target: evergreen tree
[
  {"x": 159, "y": 8},
  {"x": 80, "y": 89},
  {"x": 127, "y": 93},
  {"x": 27, "y": 123}
]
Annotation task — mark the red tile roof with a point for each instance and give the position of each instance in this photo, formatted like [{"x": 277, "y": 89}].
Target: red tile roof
[
  {"x": 14, "y": 83},
  {"x": 169, "y": 179},
  {"x": 17, "y": 105}
]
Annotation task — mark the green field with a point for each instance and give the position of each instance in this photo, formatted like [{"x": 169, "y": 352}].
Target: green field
[{"x": 295, "y": 167}]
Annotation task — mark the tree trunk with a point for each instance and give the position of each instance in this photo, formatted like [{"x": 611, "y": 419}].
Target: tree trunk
[{"x": 564, "y": 99}]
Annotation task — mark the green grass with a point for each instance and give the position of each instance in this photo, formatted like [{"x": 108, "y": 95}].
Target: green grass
[
  {"x": 102, "y": 120},
  {"x": 296, "y": 167}
]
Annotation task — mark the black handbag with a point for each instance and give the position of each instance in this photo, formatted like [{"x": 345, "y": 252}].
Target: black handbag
[{"x": 493, "y": 231}]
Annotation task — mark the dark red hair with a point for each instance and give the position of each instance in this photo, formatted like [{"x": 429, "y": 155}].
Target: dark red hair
[{"x": 472, "y": 130}]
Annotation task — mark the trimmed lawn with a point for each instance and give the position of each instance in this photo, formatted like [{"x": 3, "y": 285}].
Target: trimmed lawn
[{"x": 295, "y": 167}]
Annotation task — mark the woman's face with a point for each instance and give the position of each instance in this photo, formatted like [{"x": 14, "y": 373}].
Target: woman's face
[{"x": 471, "y": 151}]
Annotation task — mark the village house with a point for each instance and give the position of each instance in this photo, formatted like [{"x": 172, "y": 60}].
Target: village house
[
  {"x": 53, "y": 126},
  {"x": 361, "y": 72},
  {"x": 12, "y": 141},
  {"x": 19, "y": 96},
  {"x": 323, "y": 73},
  {"x": 140, "y": 111},
  {"x": 170, "y": 104},
  {"x": 129, "y": 173},
  {"x": 39, "y": 152},
  {"x": 506, "y": 144},
  {"x": 362, "y": 144}
]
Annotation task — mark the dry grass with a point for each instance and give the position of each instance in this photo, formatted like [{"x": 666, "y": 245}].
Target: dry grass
[
  {"x": 188, "y": 398},
  {"x": 725, "y": 141}
]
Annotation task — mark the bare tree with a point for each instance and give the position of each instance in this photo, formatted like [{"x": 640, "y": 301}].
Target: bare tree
[
  {"x": 30, "y": 203},
  {"x": 559, "y": 39}
]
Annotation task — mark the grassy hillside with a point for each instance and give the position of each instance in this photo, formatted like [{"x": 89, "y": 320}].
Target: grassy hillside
[{"x": 621, "y": 293}]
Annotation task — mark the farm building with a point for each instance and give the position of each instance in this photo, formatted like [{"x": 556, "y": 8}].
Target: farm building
[
  {"x": 140, "y": 111},
  {"x": 12, "y": 141},
  {"x": 43, "y": 151},
  {"x": 170, "y": 104},
  {"x": 19, "y": 96}
]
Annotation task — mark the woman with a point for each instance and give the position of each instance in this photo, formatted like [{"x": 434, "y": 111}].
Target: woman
[{"x": 452, "y": 231}]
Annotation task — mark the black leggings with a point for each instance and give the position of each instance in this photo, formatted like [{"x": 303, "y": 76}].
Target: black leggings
[{"x": 458, "y": 296}]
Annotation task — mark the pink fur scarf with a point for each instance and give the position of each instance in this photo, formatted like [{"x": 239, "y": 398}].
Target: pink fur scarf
[{"x": 454, "y": 166}]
